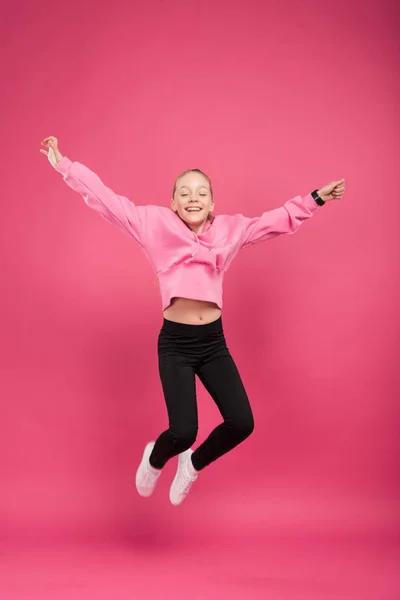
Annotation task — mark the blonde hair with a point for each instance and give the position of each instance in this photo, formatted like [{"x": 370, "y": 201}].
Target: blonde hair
[{"x": 210, "y": 216}]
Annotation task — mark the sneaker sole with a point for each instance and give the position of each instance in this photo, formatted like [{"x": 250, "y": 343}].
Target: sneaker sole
[{"x": 147, "y": 451}]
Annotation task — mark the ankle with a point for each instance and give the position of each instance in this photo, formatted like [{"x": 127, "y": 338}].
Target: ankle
[
  {"x": 191, "y": 467},
  {"x": 155, "y": 470}
]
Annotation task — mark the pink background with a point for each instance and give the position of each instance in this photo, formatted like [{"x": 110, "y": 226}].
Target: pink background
[{"x": 271, "y": 99}]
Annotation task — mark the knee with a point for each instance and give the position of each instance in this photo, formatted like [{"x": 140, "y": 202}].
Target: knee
[
  {"x": 243, "y": 427},
  {"x": 184, "y": 437}
]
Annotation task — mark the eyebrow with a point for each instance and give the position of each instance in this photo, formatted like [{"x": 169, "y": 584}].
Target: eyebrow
[{"x": 199, "y": 187}]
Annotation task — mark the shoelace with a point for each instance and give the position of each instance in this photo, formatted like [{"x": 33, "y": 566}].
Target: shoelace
[
  {"x": 184, "y": 480},
  {"x": 148, "y": 479}
]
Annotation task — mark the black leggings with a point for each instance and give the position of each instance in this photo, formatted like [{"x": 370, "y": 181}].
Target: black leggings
[{"x": 183, "y": 352}]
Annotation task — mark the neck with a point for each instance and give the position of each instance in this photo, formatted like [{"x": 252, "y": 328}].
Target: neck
[{"x": 197, "y": 228}]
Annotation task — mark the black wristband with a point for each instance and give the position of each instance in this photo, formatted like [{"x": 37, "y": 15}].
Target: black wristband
[{"x": 317, "y": 198}]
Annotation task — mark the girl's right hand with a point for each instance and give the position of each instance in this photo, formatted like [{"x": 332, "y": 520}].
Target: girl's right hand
[{"x": 52, "y": 152}]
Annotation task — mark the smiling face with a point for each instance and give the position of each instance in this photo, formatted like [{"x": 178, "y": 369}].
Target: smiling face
[{"x": 192, "y": 199}]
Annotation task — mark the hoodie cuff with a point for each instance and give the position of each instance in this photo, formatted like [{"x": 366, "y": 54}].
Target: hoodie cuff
[
  {"x": 310, "y": 203},
  {"x": 64, "y": 165}
]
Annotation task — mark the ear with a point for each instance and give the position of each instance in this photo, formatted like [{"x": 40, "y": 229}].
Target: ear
[{"x": 173, "y": 204}]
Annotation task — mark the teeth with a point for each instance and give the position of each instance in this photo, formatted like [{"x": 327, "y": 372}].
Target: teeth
[{"x": 193, "y": 209}]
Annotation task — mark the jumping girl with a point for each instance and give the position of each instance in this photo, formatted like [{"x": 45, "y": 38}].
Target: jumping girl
[{"x": 190, "y": 250}]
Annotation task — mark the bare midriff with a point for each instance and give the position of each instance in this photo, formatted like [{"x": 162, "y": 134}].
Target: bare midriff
[{"x": 191, "y": 312}]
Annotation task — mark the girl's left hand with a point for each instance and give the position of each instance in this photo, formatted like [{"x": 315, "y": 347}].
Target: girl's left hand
[{"x": 332, "y": 191}]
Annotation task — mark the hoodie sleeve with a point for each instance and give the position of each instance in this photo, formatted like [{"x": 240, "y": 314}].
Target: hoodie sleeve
[
  {"x": 286, "y": 219},
  {"x": 117, "y": 210}
]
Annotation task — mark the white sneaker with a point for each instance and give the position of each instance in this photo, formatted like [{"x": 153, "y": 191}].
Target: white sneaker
[
  {"x": 184, "y": 478},
  {"x": 146, "y": 475}
]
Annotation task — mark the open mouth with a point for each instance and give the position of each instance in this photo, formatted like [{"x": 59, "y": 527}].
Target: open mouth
[{"x": 193, "y": 209}]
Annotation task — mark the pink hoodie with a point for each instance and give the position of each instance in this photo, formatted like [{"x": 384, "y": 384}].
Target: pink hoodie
[{"x": 187, "y": 265}]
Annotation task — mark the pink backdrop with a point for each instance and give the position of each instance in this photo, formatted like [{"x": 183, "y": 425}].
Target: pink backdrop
[{"x": 272, "y": 100}]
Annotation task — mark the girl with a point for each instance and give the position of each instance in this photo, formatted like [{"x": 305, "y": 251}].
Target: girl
[{"x": 190, "y": 250}]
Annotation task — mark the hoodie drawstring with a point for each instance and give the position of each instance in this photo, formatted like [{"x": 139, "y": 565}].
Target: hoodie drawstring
[{"x": 198, "y": 243}]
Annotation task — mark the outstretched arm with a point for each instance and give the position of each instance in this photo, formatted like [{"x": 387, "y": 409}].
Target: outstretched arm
[
  {"x": 289, "y": 217},
  {"x": 116, "y": 209}
]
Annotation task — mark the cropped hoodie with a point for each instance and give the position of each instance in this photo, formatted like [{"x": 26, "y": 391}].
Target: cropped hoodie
[{"x": 187, "y": 265}]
